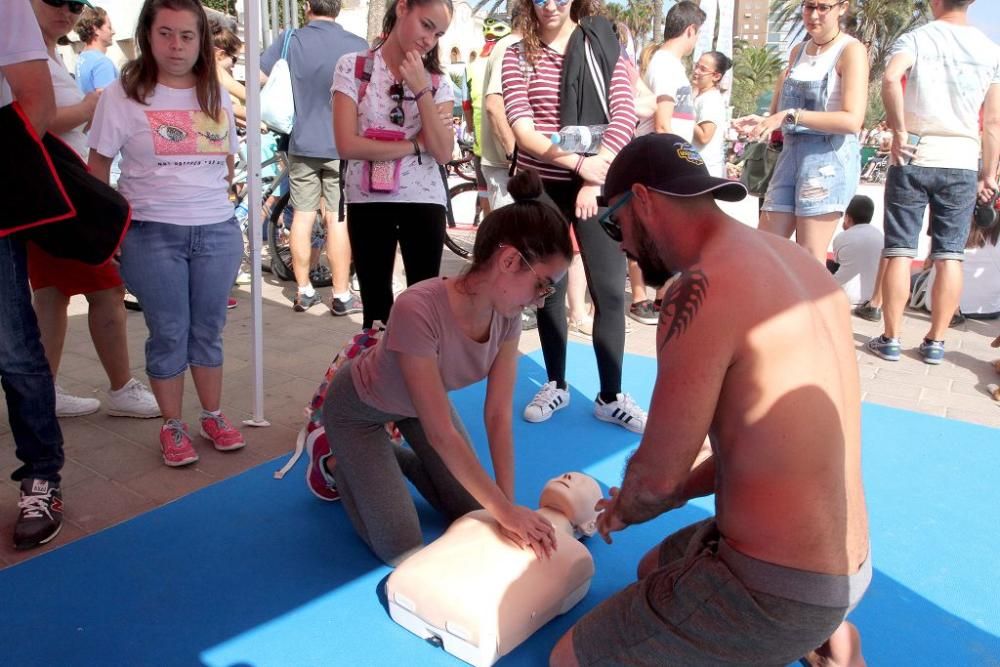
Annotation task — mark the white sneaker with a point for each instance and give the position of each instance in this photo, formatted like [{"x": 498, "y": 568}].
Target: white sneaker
[
  {"x": 68, "y": 405},
  {"x": 243, "y": 278},
  {"x": 548, "y": 399},
  {"x": 623, "y": 412},
  {"x": 133, "y": 400}
]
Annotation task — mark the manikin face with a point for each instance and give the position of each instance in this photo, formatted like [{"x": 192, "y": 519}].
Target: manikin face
[
  {"x": 419, "y": 27},
  {"x": 575, "y": 495},
  {"x": 175, "y": 40}
]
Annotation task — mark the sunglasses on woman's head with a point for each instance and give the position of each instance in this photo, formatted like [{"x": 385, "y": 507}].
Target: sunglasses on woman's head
[
  {"x": 396, "y": 115},
  {"x": 73, "y": 6},
  {"x": 542, "y": 3}
]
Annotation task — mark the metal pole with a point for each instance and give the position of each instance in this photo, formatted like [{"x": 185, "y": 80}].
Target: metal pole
[
  {"x": 275, "y": 25},
  {"x": 253, "y": 11}
]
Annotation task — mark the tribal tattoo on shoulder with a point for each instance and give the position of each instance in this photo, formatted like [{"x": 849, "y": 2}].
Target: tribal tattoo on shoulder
[{"x": 681, "y": 303}]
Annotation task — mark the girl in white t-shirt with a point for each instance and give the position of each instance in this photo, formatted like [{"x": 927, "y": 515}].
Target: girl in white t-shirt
[
  {"x": 395, "y": 129},
  {"x": 54, "y": 280},
  {"x": 173, "y": 124},
  {"x": 710, "y": 110}
]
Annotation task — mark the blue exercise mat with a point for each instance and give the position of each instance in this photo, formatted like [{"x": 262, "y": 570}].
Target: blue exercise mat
[{"x": 255, "y": 571}]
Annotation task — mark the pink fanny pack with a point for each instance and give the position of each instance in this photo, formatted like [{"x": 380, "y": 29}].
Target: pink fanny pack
[{"x": 381, "y": 175}]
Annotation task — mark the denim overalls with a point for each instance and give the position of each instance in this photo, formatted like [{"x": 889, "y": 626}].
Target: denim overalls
[{"x": 817, "y": 173}]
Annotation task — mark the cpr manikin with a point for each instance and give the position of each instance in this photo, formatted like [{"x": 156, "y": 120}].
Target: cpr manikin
[{"x": 480, "y": 594}]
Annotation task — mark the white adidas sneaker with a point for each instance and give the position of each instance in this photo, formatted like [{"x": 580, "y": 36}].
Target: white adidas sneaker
[{"x": 548, "y": 399}]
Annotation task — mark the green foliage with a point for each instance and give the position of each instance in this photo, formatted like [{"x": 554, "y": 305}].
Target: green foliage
[
  {"x": 224, "y": 6},
  {"x": 755, "y": 72}
]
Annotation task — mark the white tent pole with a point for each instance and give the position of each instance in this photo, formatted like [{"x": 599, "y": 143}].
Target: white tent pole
[{"x": 252, "y": 10}]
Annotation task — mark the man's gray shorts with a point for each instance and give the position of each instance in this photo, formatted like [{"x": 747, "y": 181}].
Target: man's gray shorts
[{"x": 708, "y": 604}]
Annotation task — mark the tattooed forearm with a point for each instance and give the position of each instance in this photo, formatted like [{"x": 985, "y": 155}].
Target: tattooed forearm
[
  {"x": 681, "y": 303},
  {"x": 637, "y": 503}
]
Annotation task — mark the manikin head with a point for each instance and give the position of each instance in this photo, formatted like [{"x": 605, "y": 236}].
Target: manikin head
[{"x": 574, "y": 495}]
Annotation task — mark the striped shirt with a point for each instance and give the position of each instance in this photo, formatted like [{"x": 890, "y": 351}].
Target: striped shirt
[{"x": 536, "y": 97}]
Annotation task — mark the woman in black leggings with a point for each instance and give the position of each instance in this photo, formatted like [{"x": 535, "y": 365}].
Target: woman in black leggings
[{"x": 546, "y": 87}]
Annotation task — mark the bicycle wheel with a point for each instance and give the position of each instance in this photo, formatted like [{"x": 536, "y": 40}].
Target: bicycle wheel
[
  {"x": 463, "y": 219},
  {"x": 277, "y": 239}
]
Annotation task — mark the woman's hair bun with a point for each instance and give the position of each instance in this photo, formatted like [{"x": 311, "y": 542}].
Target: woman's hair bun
[{"x": 526, "y": 184}]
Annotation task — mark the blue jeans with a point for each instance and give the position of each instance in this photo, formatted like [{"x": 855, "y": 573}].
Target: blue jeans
[
  {"x": 24, "y": 372},
  {"x": 951, "y": 194},
  {"x": 815, "y": 174},
  {"x": 182, "y": 276}
]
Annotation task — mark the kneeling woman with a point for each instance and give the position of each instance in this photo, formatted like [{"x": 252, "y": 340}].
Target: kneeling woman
[{"x": 445, "y": 334}]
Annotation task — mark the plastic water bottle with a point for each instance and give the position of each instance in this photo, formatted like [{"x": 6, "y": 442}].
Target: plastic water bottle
[
  {"x": 583, "y": 139},
  {"x": 242, "y": 213}
]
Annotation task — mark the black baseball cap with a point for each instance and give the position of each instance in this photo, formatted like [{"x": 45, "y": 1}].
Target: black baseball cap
[{"x": 668, "y": 164}]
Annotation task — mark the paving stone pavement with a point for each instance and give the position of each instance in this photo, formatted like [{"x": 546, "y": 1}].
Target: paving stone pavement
[{"x": 114, "y": 471}]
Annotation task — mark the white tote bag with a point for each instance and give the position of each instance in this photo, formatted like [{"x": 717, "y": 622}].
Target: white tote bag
[{"x": 277, "y": 106}]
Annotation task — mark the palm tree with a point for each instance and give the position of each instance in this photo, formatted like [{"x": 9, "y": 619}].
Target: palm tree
[
  {"x": 876, "y": 23},
  {"x": 754, "y": 73}
]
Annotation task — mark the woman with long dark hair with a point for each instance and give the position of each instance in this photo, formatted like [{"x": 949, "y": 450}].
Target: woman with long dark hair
[
  {"x": 392, "y": 122},
  {"x": 444, "y": 334},
  {"x": 173, "y": 124},
  {"x": 548, "y": 84}
]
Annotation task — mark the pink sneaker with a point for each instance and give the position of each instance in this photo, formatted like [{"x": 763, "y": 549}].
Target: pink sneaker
[
  {"x": 175, "y": 443},
  {"x": 319, "y": 481},
  {"x": 222, "y": 433}
]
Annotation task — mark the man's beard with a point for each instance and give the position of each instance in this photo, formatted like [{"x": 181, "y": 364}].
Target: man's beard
[{"x": 654, "y": 272}]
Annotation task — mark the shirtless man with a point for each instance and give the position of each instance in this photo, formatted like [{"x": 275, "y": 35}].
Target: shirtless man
[{"x": 756, "y": 350}]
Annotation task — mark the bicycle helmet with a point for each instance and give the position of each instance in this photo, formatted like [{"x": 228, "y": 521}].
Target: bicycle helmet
[{"x": 495, "y": 28}]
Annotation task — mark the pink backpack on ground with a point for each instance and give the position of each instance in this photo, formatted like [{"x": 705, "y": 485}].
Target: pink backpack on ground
[{"x": 313, "y": 429}]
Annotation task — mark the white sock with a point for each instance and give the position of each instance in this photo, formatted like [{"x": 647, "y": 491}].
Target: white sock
[
  {"x": 306, "y": 290},
  {"x": 343, "y": 296},
  {"x": 210, "y": 413}
]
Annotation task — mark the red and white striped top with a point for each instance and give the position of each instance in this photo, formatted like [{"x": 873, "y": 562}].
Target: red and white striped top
[{"x": 537, "y": 97}]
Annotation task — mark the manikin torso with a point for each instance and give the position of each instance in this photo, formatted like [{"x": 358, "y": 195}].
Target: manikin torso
[{"x": 480, "y": 594}]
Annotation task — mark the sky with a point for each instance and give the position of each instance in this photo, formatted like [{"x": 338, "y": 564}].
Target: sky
[{"x": 985, "y": 15}]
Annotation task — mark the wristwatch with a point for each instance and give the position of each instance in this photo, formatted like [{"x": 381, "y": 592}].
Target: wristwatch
[{"x": 790, "y": 117}]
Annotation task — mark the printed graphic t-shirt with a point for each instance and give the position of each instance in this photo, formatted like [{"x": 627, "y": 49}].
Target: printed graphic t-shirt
[
  {"x": 173, "y": 155},
  {"x": 424, "y": 325},
  {"x": 419, "y": 182},
  {"x": 954, "y": 66},
  {"x": 666, "y": 77}
]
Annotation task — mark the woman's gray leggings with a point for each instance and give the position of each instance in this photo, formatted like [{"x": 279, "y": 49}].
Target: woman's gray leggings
[{"x": 370, "y": 472}]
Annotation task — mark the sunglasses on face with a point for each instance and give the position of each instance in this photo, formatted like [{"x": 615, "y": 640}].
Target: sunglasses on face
[
  {"x": 820, "y": 8},
  {"x": 609, "y": 223},
  {"x": 542, "y": 3},
  {"x": 699, "y": 69},
  {"x": 396, "y": 115},
  {"x": 74, "y": 7},
  {"x": 543, "y": 288}
]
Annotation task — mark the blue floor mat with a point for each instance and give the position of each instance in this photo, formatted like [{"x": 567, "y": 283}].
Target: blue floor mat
[{"x": 255, "y": 571}]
